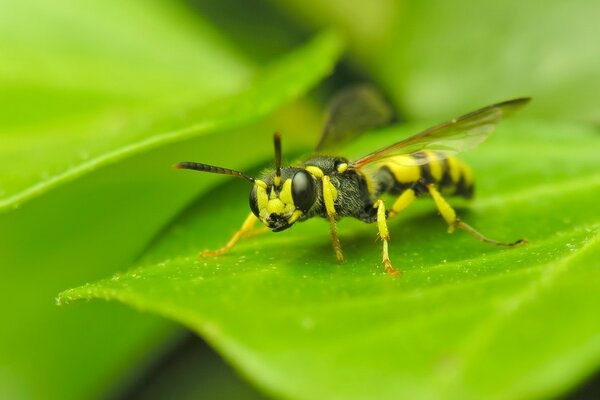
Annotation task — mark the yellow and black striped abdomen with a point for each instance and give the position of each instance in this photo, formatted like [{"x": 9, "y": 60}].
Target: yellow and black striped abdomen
[{"x": 450, "y": 175}]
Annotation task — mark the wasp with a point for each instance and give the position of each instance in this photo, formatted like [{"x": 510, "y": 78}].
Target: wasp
[{"x": 332, "y": 187}]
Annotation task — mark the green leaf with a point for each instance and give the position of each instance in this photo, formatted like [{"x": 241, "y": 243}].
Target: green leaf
[
  {"x": 83, "y": 128},
  {"x": 464, "y": 320},
  {"x": 439, "y": 58},
  {"x": 84, "y": 81}
]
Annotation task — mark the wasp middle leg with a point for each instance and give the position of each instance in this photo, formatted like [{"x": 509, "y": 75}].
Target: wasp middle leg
[
  {"x": 403, "y": 201},
  {"x": 384, "y": 234}
]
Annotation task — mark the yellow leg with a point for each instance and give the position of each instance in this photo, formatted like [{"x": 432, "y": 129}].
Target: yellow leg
[
  {"x": 257, "y": 231},
  {"x": 328, "y": 198},
  {"x": 454, "y": 222},
  {"x": 403, "y": 201},
  {"x": 384, "y": 234},
  {"x": 246, "y": 228}
]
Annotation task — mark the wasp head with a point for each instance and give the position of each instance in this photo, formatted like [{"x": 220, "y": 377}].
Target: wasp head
[
  {"x": 279, "y": 200},
  {"x": 280, "y": 197}
]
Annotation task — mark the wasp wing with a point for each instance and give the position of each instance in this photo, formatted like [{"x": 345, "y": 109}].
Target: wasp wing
[
  {"x": 352, "y": 112},
  {"x": 450, "y": 137}
]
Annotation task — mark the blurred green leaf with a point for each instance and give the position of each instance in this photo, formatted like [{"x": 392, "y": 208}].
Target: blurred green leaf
[
  {"x": 138, "y": 51},
  {"x": 439, "y": 58},
  {"x": 264, "y": 33},
  {"x": 464, "y": 320},
  {"x": 190, "y": 369},
  {"x": 80, "y": 81},
  {"x": 105, "y": 128}
]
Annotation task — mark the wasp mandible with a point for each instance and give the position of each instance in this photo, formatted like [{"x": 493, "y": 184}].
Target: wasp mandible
[{"x": 333, "y": 187}]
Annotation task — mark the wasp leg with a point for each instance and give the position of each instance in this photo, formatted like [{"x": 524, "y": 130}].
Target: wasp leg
[
  {"x": 244, "y": 231},
  {"x": 454, "y": 222},
  {"x": 403, "y": 201},
  {"x": 384, "y": 234},
  {"x": 328, "y": 193},
  {"x": 256, "y": 231}
]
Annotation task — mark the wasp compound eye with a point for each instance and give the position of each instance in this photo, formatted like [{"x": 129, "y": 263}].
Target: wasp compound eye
[
  {"x": 253, "y": 202},
  {"x": 303, "y": 190}
]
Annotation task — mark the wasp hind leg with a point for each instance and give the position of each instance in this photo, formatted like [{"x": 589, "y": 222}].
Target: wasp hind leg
[
  {"x": 246, "y": 230},
  {"x": 454, "y": 222}
]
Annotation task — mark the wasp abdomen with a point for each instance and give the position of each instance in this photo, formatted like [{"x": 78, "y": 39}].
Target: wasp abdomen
[{"x": 415, "y": 171}]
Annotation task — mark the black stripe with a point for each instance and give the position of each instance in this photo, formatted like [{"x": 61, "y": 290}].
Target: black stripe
[
  {"x": 446, "y": 178},
  {"x": 463, "y": 189},
  {"x": 387, "y": 183},
  {"x": 385, "y": 180},
  {"x": 424, "y": 167}
]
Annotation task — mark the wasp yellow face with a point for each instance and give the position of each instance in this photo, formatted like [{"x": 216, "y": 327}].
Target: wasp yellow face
[{"x": 280, "y": 201}]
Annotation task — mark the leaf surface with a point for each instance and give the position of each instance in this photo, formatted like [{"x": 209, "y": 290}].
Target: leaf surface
[{"x": 463, "y": 321}]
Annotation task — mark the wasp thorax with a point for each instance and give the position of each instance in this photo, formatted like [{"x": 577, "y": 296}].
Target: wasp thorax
[{"x": 278, "y": 206}]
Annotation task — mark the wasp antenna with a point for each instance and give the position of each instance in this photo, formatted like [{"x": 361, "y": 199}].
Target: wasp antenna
[
  {"x": 212, "y": 169},
  {"x": 277, "y": 145}
]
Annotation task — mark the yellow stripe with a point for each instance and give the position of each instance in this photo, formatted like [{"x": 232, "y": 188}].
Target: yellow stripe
[
  {"x": 404, "y": 168},
  {"x": 286, "y": 192},
  {"x": 435, "y": 166},
  {"x": 369, "y": 181},
  {"x": 342, "y": 168},
  {"x": 328, "y": 195},
  {"x": 453, "y": 169},
  {"x": 315, "y": 171},
  {"x": 262, "y": 200},
  {"x": 467, "y": 174}
]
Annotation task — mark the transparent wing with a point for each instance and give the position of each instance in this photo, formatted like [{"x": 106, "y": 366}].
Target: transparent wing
[
  {"x": 450, "y": 137},
  {"x": 352, "y": 112}
]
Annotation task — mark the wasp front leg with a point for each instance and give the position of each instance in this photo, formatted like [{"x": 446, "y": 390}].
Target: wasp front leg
[
  {"x": 454, "y": 222},
  {"x": 246, "y": 230},
  {"x": 328, "y": 198}
]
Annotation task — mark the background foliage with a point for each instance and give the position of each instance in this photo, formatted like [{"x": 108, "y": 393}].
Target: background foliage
[{"x": 98, "y": 100}]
